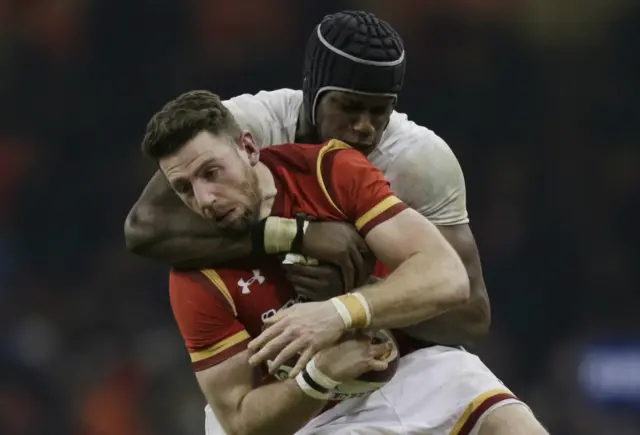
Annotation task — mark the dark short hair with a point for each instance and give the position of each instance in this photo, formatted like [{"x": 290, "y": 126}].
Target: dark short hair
[{"x": 183, "y": 118}]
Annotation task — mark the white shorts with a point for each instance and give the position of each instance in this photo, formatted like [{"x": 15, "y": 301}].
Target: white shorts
[{"x": 436, "y": 391}]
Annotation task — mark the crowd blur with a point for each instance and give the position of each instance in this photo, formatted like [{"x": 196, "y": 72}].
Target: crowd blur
[{"x": 536, "y": 98}]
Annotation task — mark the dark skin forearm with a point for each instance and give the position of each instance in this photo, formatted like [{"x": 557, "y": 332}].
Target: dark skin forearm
[
  {"x": 161, "y": 227},
  {"x": 196, "y": 252}
]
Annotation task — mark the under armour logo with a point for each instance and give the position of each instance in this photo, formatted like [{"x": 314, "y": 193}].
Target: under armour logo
[{"x": 244, "y": 285}]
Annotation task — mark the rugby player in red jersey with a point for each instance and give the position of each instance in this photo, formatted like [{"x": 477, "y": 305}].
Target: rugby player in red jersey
[{"x": 217, "y": 171}]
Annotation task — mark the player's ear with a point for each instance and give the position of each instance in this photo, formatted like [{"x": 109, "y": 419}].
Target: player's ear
[{"x": 248, "y": 144}]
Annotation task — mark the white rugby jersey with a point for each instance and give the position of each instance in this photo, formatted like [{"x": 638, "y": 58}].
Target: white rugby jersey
[{"x": 422, "y": 169}]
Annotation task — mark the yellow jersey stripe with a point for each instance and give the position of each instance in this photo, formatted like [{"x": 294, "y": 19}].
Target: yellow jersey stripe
[
  {"x": 332, "y": 145},
  {"x": 475, "y": 404},
  {"x": 213, "y": 276},
  {"x": 221, "y": 346},
  {"x": 376, "y": 211}
]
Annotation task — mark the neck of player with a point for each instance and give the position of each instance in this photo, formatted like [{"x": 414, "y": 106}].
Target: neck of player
[
  {"x": 268, "y": 191},
  {"x": 305, "y": 132}
]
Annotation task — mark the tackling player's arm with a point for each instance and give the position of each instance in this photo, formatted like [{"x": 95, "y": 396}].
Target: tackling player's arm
[
  {"x": 161, "y": 227},
  {"x": 217, "y": 342},
  {"x": 428, "y": 276},
  {"x": 443, "y": 202}
]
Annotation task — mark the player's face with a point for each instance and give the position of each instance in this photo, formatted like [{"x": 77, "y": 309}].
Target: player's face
[
  {"x": 358, "y": 120},
  {"x": 214, "y": 177}
]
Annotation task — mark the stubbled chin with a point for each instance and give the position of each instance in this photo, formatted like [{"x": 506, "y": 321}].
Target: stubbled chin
[{"x": 233, "y": 218}]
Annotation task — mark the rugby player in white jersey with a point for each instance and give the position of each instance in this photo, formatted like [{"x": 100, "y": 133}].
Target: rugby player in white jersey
[{"x": 354, "y": 69}]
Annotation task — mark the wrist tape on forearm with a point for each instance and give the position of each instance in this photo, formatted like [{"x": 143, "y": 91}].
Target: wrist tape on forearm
[
  {"x": 354, "y": 310},
  {"x": 314, "y": 383},
  {"x": 275, "y": 235}
]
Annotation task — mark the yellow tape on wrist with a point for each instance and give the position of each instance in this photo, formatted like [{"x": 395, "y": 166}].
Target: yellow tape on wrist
[
  {"x": 279, "y": 234},
  {"x": 357, "y": 308}
]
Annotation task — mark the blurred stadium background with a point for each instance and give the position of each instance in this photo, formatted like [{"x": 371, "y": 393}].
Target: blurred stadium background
[{"x": 538, "y": 98}]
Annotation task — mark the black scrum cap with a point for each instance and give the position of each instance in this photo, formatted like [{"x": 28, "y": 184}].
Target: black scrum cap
[{"x": 352, "y": 51}]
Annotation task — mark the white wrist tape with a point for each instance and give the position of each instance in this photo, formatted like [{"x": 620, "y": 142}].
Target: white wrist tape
[
  {"x": 279, "y": 234},
  {"x": 366, "y": 306},
  {"x": 343, "y": 311},
  {"x": 303, "y": 260},
  {"x": 319, "y": 377},
  {"x": 309, "y": 390}
]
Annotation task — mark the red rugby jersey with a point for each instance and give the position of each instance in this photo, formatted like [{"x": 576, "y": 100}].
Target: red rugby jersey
[{"x": 219, "y": 310}]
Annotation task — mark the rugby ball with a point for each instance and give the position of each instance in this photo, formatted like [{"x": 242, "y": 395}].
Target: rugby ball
[{"x": 365, "y": 383}]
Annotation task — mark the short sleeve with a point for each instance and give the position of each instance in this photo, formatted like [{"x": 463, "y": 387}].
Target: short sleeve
[
  {"x": 268, "y": 115},
  {"x": 360, "y": 191},
  {"x": 429, "y": 179},
  {"x": 205, "y": 318}
]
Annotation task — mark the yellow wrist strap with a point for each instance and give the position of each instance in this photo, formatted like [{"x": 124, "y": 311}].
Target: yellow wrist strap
[{"x": 354, "y": 310}]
